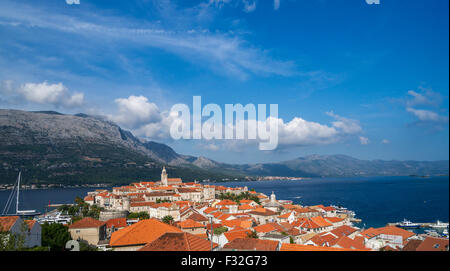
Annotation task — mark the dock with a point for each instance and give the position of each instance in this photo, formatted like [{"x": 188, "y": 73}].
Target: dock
[
  {"x": 60, "y": 204},
  {"x": 422, "y": 225}
]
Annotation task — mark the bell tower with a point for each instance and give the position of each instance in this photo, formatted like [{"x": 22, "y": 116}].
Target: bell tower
[{"x": 164, "y": 181}]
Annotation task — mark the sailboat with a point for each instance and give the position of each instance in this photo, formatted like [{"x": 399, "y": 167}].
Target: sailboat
[{"x": 16, "y": 191}]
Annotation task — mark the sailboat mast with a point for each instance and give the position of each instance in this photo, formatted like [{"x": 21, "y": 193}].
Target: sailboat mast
[{"x": 18, "y": 190}]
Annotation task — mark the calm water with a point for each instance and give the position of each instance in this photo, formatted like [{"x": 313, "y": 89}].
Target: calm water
[{"x": 375, "y": 200}]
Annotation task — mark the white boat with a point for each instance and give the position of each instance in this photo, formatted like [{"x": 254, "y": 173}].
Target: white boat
[
  {"x": 439, "y": 225},
  {"x": 408, "y": 224},
  {"x": 58, "y": 218}
]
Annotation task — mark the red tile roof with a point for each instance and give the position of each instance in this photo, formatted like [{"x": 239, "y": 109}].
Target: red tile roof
[
  {"x": 117, "y": 223},
  {"x": 6, "y": 222},
  {"x": 343, "y": 230},
  {"x": 389, "y": 230},
  {"x": 198, "y": 217},
  {"x": 87, "y": 222},
  {"x": 143, "y": 232},
  {"x": 241, "y": 233},
  {"x": 433, "y": 244},
  {"x": 252, "y": 244},
  {"x": 296, "y": 247},
  {"x": 190, "y": 224},
  {"x": 183, "y": 241}
]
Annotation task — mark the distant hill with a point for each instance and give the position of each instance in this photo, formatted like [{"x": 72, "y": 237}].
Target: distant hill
[
  {"x": 56, "y": 148},
  {"x": 52, "y": 147}
]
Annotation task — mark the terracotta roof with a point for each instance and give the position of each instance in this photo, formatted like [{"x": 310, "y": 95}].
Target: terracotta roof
[
  {"x": 433, "y": 244},
  {"x": 87, "y": 222},
  {"x": 117, "y": 223},
  {"x": 190, "y": 224},
  {"x": 306, "y": 223},
  {"x": 242, "y": 233},
  {"x": 140, "y": 204},
  {"x": 263, "y": 212},
  {"x": 321, "y": 221},
  {"x": 30, "y": 223},
  {"x": 343, "y": 230},
  {"x": 345, "y": 242},
  {"x": 264, "y": 228},
  {"x": 187, "y": 190},
  {"x": 143, "y": 232},
  {"x": 296, "y": 247},
  {"x": 323, "y": 239},
  {"x": 252, "y": 244},
  {"x": 334, "y": 219},
  {"x": 89, "y": 198},
  {"x": 412, "y": 245},
  {"x": 182, "y": 241},
  {"x": 209, "y": 210},
  {"x": 237, "y": 223},
  {"x": 226, "y": 202},
  {"x": 6, "y": 222},
  {"x": 198, "y": 217},
  {"x": 246, "y": 207},
  {"x": 286, "y": 215},
  {"x": 389, "y": 230}
]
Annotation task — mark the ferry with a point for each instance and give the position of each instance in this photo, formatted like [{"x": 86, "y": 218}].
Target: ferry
[
  {"x": 439, "y": 225},
  {"x": 408, "y": 224}
]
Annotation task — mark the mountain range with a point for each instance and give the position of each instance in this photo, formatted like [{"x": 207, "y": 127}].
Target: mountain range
[{"x": 51, "y": 147}]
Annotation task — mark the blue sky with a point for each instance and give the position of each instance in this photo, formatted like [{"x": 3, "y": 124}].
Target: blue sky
[{"x": 370, "y": 81}]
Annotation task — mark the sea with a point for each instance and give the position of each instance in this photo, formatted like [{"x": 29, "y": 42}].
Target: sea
[{"x": 375, "y": 200}]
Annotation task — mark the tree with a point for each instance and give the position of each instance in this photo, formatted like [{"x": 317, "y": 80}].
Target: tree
[
  {"x": 252, "y": 234},
  {"x": 13, "y": 241},
  {"x": 291, "y": 240},
  {"x": 55, "y": 236},
  {"x": 140, "y": 215},
  {"x": 167, "y": 219},
  {"x": 219, "y": 231}
]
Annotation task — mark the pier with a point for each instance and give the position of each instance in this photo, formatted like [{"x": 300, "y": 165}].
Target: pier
[
  {"x": 422, "y": 225},
  {"x": 60, "y": 204}
]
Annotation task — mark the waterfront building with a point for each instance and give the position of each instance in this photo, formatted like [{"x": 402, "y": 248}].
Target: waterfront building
[{"x": 88, "y": 229}]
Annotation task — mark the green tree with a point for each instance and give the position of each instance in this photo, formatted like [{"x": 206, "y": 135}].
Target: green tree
[
  {"x": 220, "y": 230},
  {"x": 167, "y": 219},
  {"x": 252, "y": 234},
  {"x": 291, "y": 240},
  {"x": 140, "y": 215},
  {"x": 55, "y": 236}
]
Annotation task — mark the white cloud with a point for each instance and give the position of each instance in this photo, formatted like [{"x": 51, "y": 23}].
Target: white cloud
[
  {"x": 427, "y": 115},
  {"x": 348, "y": 126},
  {"x": 276, "y": 4},
  {"x": 136, "y": 111},
  {"x": 364, "y": 140},
  {"x": 43, "y": 93},
  {"x": 424, "y": 96},
  {"x": 385, "y": 141},
  {"x": 302, "y": 133}
]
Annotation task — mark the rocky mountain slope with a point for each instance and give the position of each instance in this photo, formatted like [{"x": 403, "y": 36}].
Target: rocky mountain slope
[
  {"x": 57, "y": 148},
  {"x": 52, "y": 147}
]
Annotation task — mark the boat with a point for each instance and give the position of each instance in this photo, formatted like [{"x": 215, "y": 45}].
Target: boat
[
  {"x": 56, "y": 217},
  {"x": 16, "y": 192},
  {"x": 408, "y": 224},
  {"x": 439, "y": 225},
  {"x": 432, "y": 233}
]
